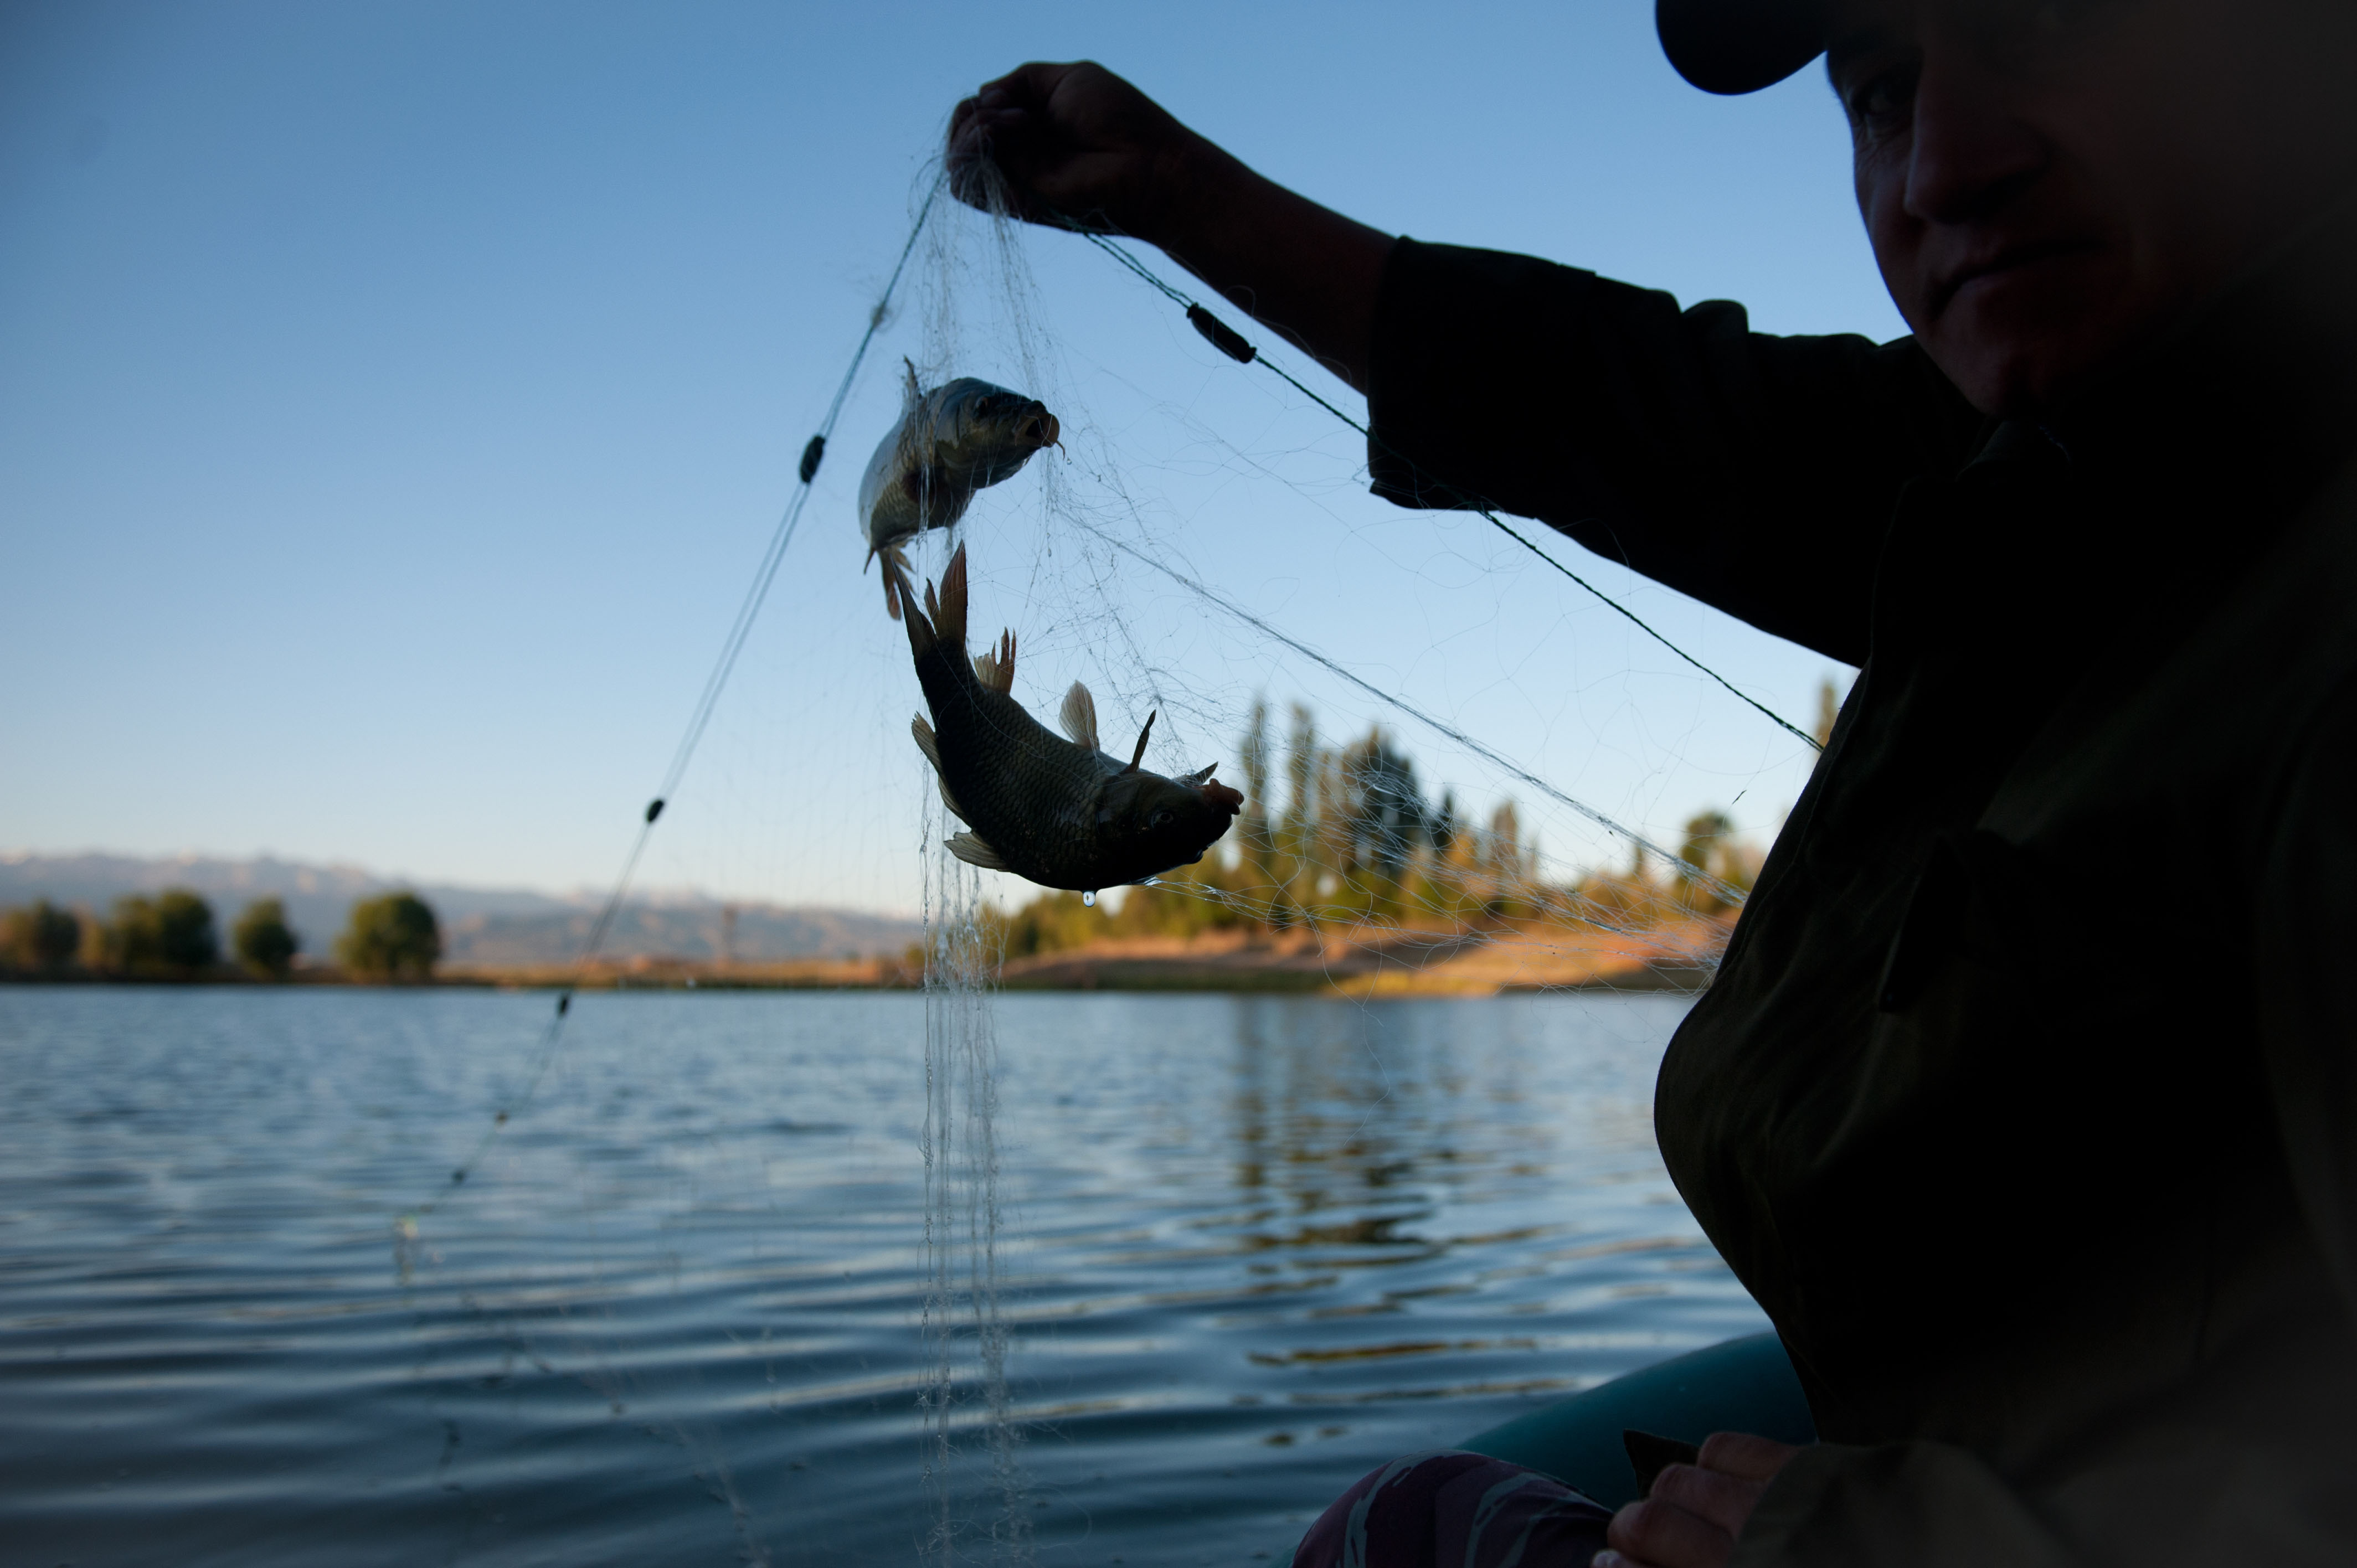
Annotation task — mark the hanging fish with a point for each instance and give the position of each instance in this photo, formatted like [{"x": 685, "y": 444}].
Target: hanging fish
[
  {"x": 1058, "y": 811},
  {"x": 950, "y": 442}
]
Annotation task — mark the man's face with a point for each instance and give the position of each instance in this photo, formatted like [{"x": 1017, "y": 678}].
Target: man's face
[{"x": 2047, "y": 186}]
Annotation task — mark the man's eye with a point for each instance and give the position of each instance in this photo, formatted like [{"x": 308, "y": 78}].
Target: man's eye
[{"x": 1882, "y": 101}]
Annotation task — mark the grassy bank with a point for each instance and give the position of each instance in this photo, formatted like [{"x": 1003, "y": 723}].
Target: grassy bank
[{"x": 1359, "y": 962}]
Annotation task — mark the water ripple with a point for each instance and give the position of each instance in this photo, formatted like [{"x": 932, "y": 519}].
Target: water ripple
[{"x": 1253, "y": 1247}]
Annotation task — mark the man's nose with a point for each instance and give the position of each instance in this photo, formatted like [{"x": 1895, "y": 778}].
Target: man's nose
[{"x": 1969, "y": 152}]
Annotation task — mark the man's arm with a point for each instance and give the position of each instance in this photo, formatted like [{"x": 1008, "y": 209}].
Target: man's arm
[
  {"x": 1077, "y": 147},
  {"x": 1756, "y": 473}
]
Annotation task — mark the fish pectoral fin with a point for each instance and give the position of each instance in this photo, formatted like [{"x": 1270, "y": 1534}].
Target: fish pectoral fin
[
  {"x": 998, "y": 671},
  {"x": 976, "y": 851},
  {"x": 930, "y": 744},
  {"x": 1080, "y": 717},
  {"x": 950, "y": 800},
  {"x": 1138, "y": 756}
]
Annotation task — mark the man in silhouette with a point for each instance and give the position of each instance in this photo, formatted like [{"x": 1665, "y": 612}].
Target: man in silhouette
[{"x": 2035, "y": 1134}]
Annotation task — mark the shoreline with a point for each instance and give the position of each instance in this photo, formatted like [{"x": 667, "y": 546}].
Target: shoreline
[{"x": 1510, "y": 959}]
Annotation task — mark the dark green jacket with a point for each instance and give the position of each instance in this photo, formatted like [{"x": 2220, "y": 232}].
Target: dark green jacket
[{"x": 2026, "y": 1099}]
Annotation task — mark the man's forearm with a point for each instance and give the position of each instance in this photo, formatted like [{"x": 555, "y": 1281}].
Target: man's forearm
[{"x": 1303, "y": 270}]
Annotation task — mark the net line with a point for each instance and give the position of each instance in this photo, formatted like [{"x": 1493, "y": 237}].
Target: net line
[
  {"x": 1732, "y": 895},
  {"x": 1229, "y": 342},
  {"x": 748, "y": 612}
]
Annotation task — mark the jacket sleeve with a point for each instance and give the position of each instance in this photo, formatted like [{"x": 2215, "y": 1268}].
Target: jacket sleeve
[
  {"x": 1756, "y": 473},
  {"x": 1927, "y": 1505},
  {"x": 2304, "y": 930}
]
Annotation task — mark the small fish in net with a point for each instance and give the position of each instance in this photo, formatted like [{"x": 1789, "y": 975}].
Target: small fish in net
[
  {"x": 963, "y": 435},
  {"x": 1059, "y": 812}
]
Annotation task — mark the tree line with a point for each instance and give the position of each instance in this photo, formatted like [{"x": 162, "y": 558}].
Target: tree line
[
  {"x": 1347, "y": 836},
  {"x": 172, "y": 936}
]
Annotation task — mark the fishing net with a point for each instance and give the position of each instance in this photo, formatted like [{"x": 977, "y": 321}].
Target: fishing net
[{"x": 1473, "y": 759}]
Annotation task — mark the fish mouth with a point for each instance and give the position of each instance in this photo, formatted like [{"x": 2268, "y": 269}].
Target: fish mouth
[
  {"x": 1219, "y": 797},
  {"x": 1038, "y": 430}
]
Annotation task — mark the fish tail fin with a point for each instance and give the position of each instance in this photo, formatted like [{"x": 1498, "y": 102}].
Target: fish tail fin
[
  {"x": 901, "y": 602},
  {"x": 949, "y": 614}
]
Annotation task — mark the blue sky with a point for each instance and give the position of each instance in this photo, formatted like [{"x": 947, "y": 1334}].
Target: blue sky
[{"x": 394, "y": 399}]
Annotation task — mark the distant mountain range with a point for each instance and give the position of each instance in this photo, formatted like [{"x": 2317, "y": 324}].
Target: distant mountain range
[{"x": 479, "y": 925}]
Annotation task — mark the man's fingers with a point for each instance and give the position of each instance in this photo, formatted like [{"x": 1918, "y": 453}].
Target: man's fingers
[
  {"x": 1031, "y": 88},
  {"x": 1741, "y": 1453},
  {"x": 1662, "y": 1533},
  {"x": 1722, "y": 1499}
]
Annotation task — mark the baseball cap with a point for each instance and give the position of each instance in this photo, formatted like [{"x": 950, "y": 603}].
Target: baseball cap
[{"x": 1740, "y": 45}]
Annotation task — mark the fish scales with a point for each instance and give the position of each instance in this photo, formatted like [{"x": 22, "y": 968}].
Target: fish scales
[
  {"x": 1058, "y": 812},
  {"x": 962, "y": 437},
  {"x": 1022, "y": 786}
]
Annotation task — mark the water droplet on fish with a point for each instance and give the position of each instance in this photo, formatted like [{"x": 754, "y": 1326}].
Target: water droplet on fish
[{"x": 1089, "y": 899}]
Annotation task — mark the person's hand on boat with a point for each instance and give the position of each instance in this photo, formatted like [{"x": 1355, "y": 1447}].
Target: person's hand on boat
[{"x": 1693, "y": 1514}]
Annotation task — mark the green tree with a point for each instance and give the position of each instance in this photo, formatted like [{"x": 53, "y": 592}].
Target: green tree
[
  {"x": 263, "y": 941},
  {"x": 41, "y": 937},
  {"x": 1712, "y": 847},
  {"x": 1294, "y": 861},
  {"x": 395, "y": 937},
  {"x": 1512, "y": 864},
  {"x": 171, "y": 934},
  {"x": 1254, "y": 848}
]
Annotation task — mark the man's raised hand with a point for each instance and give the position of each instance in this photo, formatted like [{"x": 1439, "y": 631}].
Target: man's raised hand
[{"x": 1075, "y": 147}]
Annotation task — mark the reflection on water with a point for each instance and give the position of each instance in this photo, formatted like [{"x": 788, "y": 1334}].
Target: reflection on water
[{"x": 1256, "y": 1246}]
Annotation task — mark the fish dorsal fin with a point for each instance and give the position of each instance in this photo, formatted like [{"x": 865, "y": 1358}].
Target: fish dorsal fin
[
  {"x": 1080, "y": 717},
  {"x": 976, "y": 851},
  {"x": 949, "y": 615},
  {"x": 998, "y": 671}
]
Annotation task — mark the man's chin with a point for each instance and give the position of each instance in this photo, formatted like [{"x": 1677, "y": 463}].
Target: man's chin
[{"x": 2025, "y": 369}]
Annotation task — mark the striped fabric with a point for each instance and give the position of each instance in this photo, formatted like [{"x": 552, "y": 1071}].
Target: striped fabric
[{"x": 1455, "y": 1510}]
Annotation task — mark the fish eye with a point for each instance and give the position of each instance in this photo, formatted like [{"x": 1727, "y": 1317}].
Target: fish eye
[{"x": 1162, "y": 819}]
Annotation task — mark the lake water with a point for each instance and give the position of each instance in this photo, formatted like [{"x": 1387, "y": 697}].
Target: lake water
[{"x": 1252, "y": 1247}]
